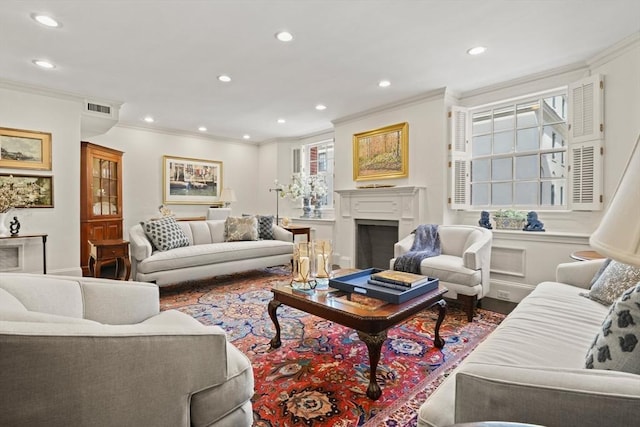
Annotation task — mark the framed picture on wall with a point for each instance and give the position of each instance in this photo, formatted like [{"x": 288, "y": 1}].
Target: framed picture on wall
[
  {"x": 27, "y": 191},
  {"x": 381, "y": 153},
  {"x": 25, "y": 149},
  {"x": 191, "y": 181}
]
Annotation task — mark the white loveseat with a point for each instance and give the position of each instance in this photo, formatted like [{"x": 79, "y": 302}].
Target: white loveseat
[
  {"x": 531, "y": 369},
  {"x": 207, "y": 255},
  {"x": 463, "y": 267},
  {"x": 95, "y": 352}
]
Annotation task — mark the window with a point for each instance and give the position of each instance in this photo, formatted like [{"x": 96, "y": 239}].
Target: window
[
  {"x": 317, "y": 159},
  {"x": 540, "y": 151},
  {"x": 519, "y": 152}
]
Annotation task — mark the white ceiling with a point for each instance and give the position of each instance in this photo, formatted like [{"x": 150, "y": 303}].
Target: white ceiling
[{"x": 162, "y": 57}]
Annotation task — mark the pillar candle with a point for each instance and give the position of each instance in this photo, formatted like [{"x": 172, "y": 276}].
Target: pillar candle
[
  {"x": 321, "y": 262},
  {"x": 303, "y": 267}
]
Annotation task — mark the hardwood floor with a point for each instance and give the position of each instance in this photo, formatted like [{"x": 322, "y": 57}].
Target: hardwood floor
[{"x": 497, "y": 305}]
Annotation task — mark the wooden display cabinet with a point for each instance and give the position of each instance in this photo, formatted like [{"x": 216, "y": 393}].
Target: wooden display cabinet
[{"x": 100, "y": 197}]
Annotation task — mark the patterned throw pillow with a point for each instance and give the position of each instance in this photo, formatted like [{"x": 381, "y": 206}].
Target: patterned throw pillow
[
  {"x": 165, "y": 233},
  {"x": 616, "y": 347},
  {"x": 613, "y": 281},
  {"x": 245, "y": 228},
  {"x": 265, "y": 227}
]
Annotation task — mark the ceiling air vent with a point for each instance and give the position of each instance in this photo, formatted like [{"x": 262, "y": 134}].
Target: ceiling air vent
[{"x": 103, "y": 109}]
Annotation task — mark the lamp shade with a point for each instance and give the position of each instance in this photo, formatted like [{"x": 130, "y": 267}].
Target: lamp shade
[
  {"x": 227, "y": 195},
  {"x": 618, "y": 235}
]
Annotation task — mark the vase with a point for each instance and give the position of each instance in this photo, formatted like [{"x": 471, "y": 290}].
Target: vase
[
  {"x": 317, "y": 211},
  {"x": 306, "y": 208},
  {"x": 4, "y": 231}
]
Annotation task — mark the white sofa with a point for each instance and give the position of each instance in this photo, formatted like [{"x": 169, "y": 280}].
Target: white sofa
[
  {"x": 207, "y": 255},
  {"x": 531, "y": 369},
  {"x": 95, "y": 352},
  {"x": 463, "y": 267}
]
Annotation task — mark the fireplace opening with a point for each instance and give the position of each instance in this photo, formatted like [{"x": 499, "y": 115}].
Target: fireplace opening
[{"x": 374, "y": 242}]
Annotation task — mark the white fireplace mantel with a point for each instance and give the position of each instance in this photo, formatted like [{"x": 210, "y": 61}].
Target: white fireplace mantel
[{"x": 406, "y": 204}]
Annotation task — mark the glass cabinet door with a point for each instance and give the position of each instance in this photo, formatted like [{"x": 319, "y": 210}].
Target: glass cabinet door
[{"x": 105, "y": 187}]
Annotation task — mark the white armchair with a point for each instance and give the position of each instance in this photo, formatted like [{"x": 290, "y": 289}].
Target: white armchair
[
  {"x": 83, "y": 351},
  {"x": 463, "y": 267}
]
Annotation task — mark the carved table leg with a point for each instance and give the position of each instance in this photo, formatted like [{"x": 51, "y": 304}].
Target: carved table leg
[
  {"x": 442, "y": 310},
  {"x": 273, "y": 306},
  {"x": 374, "y": 345}
]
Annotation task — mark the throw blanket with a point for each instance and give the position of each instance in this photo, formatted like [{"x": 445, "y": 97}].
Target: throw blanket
[{"x": 426, "y": 244}]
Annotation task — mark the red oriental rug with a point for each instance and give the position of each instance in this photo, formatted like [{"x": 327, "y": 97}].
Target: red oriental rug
[{"x": 320, "y": 374}]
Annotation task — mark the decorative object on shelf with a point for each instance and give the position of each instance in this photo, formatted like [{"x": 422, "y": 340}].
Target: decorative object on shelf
[
  {"x": 485, "y": 220},
  {"x": 303, "y": 267},
  {"x": 322, "y": 251},
  {"x": 381, "y": 153},
  {"x": 191, "y": 181},
  {"x": 227, "y": 196},
  {"x": 533, "y": 224},
  {"x": 278, "y": 189},
  {"x": 14, "y": 226},
  {"x": 310, "y": 188},
  {"x": 285, "y": 221},
  {"x": 165, "y": 211},
  {"x": 25, "y": 149},
  {"x": 317, "y": 209},
  {"x": 509, "y": 219}
]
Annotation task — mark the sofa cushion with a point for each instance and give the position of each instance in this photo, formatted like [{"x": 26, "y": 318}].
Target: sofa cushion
[
  {"x": 616, "y": 346},
  {"x": 614, "y": 280},
  {"x": 165, "y": 233},
  {"x": 241, "y": 228},
  {"x": 449, "y": 268},
  {"x": 213, "y": 253},
  {"x": 265, "y": 227}
]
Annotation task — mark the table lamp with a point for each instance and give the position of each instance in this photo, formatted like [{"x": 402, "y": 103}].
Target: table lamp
[
  {"x": 618, "y": 235},
  {"x": 227, "y": 196}
]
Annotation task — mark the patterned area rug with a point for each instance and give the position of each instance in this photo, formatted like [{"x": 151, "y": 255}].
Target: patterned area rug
[{"x": 319, "y": 376}]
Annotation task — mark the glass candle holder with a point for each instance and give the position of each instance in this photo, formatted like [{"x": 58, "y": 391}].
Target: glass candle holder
[
  {"x": 322, "y": 253},
  {"x": 303, "y": 266}
]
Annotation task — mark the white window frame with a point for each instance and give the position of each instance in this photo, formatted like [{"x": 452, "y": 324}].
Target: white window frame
[{"x": 301, "y": 163}]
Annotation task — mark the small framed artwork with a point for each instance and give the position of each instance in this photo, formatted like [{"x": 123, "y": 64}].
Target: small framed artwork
[
  {"x": 28, "y": 191},
  {"x": 191, "y": 181},
  {"x": 25, "y": 149},
  {"x": 381, "y": 153}
]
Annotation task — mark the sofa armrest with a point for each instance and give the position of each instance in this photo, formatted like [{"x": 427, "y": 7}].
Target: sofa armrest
[
  {"x": 478, "y": 254},
  {"x": 282, "y": 234},
  {"x": 579, "y": 273},
  {"x": 140, "y": 246},
  {"x": 79, "y": 372},
  {"x": 119, "y": 303},
  {"x": 546, "y": 396},
  {"x": 403, "y": 246}
]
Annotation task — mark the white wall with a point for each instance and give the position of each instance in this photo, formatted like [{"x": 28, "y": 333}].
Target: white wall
[
  {"x": 60, "y": 116},
  {"x": 142, "y": 170}
]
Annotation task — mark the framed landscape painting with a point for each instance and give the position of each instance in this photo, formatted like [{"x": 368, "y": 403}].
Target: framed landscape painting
[
  {"x": 381, "y": 153},
  {"x": 191, "y": 181},
  {"x": 25, "y": 149}
]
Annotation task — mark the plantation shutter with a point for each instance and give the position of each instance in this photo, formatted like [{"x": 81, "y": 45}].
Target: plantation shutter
[
  {"x": 586, "y": 144},
  {"x": 296, "y": 160},
  {"x": 586, "y": 109},
  {"x": 459, "y": 164}
]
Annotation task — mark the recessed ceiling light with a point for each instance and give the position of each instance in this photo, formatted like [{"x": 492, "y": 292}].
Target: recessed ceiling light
[
  {"x": 43, "y": 64},
  {"x": 45, "y": 20},
  {"x": 224, "y": 78},
  {"x": 321, "y": 107},
  {"x": 246, "y": 136},
  {"x": 384, "y": 83},
  {"x": 284, "y": 36},
  {"x": 477, "y": 50},
  {"x": 281, "y": 121},
  {"x": 202, "y": 129},
  {"x": 149, "y": 119}
]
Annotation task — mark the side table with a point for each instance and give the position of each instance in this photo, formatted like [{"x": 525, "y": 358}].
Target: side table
[
  {"x": 103, "y": 252},
  {"x": 298, "y": 229}
]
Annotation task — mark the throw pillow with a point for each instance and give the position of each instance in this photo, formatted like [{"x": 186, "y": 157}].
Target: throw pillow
[
  {"x": 165, "y": 233},
  {"x": 616, "y": 345},
  {"x": 265, "y": 227},
  {"x": 601, "y": 270},
  {"x": 245, "y": 228},
  {"x": 614, "y": 280}
]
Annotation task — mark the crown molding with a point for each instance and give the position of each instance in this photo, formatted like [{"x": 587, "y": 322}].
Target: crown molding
[
  {"x": 612, "y": 52},
  {"x": 53, "y": 93},
  {"x": 173, "y": 132}
]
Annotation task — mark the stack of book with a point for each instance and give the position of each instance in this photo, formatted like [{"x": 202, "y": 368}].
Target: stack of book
[{"x": 398, "y": 280}]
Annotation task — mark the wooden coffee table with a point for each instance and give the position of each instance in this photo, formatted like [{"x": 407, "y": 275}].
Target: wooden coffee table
[{"x": 370, "y": 324}]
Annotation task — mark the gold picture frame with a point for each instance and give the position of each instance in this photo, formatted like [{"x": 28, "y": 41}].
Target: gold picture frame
[
  {"x": 381, "y": 153},
  {"x": 25, "y": 149},
  {"x": 188, "y": 181},
  {"x": 41, "y": 194}
]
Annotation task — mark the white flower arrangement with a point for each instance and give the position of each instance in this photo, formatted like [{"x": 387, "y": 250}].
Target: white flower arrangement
[
  {"x": 304, "y": 186},
  {"x": 17, "y": 194}
]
